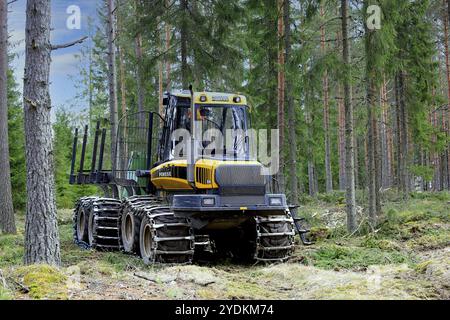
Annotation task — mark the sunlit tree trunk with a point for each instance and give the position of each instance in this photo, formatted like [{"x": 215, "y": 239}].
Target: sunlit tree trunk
[{"x": 41, "y": 226}]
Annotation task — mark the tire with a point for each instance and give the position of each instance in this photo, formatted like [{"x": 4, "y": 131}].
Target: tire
[
  {"x": 81, "y": 222},
  {"x": 146, "y": 244},
  {"x": 130, "y": 230},
  {"x": 276, "y": 241},
  {"x": 164, "y": 238}
]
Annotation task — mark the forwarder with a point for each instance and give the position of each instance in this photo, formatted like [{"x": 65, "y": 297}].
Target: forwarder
[{"x": 170, "y": 195}]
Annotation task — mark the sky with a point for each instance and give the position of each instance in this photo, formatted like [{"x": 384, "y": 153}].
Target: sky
[{"x": 64, "y": 73}]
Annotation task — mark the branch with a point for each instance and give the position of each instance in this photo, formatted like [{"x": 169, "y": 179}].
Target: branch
[
  {"x": 70, "y": 44},
  {"x": 11, "y": 2}
]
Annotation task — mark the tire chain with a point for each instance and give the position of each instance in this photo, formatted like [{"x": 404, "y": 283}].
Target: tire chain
[
  {"x": 274, "y": 238},
  {"x": 105, "y": 234},
  {"x": 132, "y": 205}
]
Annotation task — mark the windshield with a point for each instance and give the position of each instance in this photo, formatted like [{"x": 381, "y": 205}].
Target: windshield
[{"x": 222, "y": 130}]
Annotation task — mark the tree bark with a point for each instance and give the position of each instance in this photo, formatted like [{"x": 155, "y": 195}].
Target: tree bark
[
  {"x": 7, "y": 220},
  {"x": 446, "y": 24},
  {"x": 341, "y": 115},
  {"x": 167, "y": 56},
  {"x": 184, "y": 40},
  {"x": 41, "y": 227},
  {"x": 326, "y": 113},
  {"x": 139, "y": 87},
  {"x": 281, "y": 93},
  {"x": 404, "y": 147},
  {"x": 349, "y": 134},
  {"x": 291, "y": 108},
  {"x": 371, "y": 167},
  {"x": 112, "y": 81}
]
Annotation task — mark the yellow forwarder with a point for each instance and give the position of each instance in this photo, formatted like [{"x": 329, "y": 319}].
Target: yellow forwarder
[{"x": 182, "y": 183}]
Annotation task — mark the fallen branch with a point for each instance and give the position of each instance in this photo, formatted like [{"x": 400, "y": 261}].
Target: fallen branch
[{"x": 69, "y": 44}]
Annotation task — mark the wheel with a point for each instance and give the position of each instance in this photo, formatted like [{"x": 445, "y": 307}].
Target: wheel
[
  {"x": 91, "y": 229},
  {"x": 164, "y": 238},
  {"x": 130, "y": 222},
  {"x": 81, "y": 222},
  {"x": 130, "y": 232},
  {"x": 275, "y": 238},
  {"x": 82, "y": 218},
  {"x": 146, "y": 244}
]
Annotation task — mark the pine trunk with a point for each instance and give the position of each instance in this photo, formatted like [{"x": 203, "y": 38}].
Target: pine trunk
[
  {"x": 341, "y": 115},
  {"x": 184, "y": 40},
  {"x": 7, "y": 221},
  {"x": 41, "y": 227},
  {"x": 349, "y": 134},
  {"x": 139, "y": 87},
  {"x": 291, "y": 109},
  {"x": 112, "y": 81},
  {"x": 281, "y": 94},
  {"x": 447, "y": 61},
  {"x": 404, "y": 150},
  {"x": 371, "y": 166},
  {"x": 167, "y": 56},
  {"x": 326, "y": 115}
]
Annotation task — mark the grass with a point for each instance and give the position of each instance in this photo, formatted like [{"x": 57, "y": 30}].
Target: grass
[
  {"x": 422, "y": 223},
  {"x": 337, "y": 257},
  {"x": 405, "y": 231}
]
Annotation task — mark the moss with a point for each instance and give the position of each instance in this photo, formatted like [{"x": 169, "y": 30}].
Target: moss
[
  {"x": 44, "y": 282},
  {"x": 319, "y": 233},
  {"x": 247, "y": 289},
  {"x": 331, "y": 256},
  {"x": 423, "y": 266},
  {"x": 430, "y": 240},
  {"x": 11, "y": 250},
  {"x": 174, "y": 293},
  {"x": 5, "y": 294}
]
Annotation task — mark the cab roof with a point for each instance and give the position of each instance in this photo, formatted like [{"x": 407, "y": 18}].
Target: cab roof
[{"x": 212, "y": 97}]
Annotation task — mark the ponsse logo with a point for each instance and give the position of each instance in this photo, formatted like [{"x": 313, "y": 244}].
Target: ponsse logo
[{"x": 165, "y": 173}]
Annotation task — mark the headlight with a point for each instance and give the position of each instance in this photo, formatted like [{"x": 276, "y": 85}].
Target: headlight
[
  {"x": 208, "y": 202},
  {"x": 275, "y": 202}
]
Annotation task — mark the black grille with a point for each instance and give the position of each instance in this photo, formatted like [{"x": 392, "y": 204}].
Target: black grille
[{"x": 241, "y": 179}]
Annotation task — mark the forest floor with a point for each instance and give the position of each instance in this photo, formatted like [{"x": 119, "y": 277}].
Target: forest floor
[{"x": 408, "y": 257}]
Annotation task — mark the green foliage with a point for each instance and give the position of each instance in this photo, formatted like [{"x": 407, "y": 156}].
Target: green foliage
[
  {"x": 66, "y": 194},
  {"x": 11, "y": 250},
  {"x": 17, "y": 144}
]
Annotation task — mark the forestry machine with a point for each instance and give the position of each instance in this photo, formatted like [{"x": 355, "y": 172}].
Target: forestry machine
[{"x": 169, "y": 196}]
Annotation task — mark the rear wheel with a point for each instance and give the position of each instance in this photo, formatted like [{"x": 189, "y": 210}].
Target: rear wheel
[
  {"x": 82, "y": 225},
  {"x": 95, "y": 223}
]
